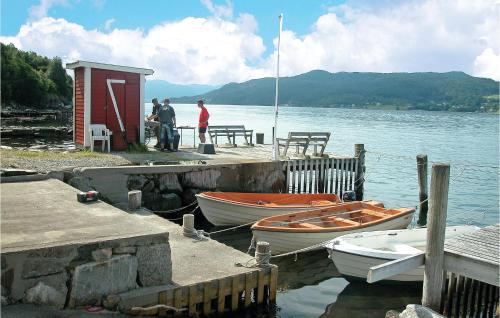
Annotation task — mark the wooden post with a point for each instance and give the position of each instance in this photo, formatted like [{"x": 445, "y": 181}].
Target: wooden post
[
  {"x": 134, "y": 200},
  {"x": 359, "y": 152},
  {"x": 438, "y": 204},
  {"x": 422, "y": 189},
  {"x": 188, "y": 224}
]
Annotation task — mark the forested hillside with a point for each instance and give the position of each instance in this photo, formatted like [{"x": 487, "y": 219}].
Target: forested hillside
[
  {"x": 33, "y": 81},
  {"x": 453, "y": 91}
]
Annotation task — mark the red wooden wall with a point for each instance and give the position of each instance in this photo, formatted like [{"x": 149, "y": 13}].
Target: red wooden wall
[{"x": 79, "y": 105}]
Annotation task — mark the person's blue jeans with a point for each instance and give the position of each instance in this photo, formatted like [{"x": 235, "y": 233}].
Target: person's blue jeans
[{"x": 167, "y": 133}]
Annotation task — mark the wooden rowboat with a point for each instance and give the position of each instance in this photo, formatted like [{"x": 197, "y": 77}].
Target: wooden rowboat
[
  {"x": 236, "y": 208},
  {"x": 354, "y": 254},
  {"x": 295, "y": 231}
]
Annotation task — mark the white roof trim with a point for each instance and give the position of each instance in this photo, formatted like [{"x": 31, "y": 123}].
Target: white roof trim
[{"x": 112, "y": 67}]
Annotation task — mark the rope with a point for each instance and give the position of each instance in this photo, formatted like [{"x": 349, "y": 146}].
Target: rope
[
  {"x": 137, "y": 310},
  {"x": 177, "y": 210}
]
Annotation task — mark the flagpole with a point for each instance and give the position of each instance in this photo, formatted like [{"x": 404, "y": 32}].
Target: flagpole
[{"x": 275, "y": 141}]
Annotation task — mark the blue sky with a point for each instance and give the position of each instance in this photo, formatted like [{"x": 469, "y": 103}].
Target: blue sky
[
  {"x": 93, "y": 14},
  {"x": 215, "y": 42}
]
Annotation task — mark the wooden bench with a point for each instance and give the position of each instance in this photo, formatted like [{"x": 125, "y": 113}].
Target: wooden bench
[
  {"x": 230, "y": 131},
  {"x": 304, "y": 140}
]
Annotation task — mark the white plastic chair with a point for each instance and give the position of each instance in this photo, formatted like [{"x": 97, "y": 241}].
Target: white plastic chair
[{"x": 99, "y": 132}]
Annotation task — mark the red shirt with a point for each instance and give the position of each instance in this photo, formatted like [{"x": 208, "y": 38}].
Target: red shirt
[{"x": 203, "y": 118}]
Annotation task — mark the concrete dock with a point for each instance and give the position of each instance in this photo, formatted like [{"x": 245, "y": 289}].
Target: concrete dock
[{"x": 51, "y": 240}]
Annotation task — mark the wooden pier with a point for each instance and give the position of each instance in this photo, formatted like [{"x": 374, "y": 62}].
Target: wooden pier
[
  {"x": 461, "y": 277},
  {"x": 472, "y": 265}
]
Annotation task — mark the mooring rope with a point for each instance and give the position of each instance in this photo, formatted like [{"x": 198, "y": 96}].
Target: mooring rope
[{"x": 177, "y": 210}]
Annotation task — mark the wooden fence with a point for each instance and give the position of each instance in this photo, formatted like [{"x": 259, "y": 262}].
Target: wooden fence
[
  {"x": 466, "y": 297},
  {"x": 324, "y": 175}
]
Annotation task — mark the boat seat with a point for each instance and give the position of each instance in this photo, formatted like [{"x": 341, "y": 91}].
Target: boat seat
[
  {"x": 404, "y": 248},
  {"x": 351, "y": 222},
  {"x": 322, "y": 202},
  {"x": 309, "y": 226},
  {"x": 375, "y": 213}
]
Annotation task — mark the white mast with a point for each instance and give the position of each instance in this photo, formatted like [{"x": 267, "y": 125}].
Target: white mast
[{"x": 275, "y": 141}]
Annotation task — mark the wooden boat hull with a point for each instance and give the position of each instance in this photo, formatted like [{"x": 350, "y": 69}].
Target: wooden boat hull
[
  {"x": 282, "y": 241},
  {"x": 353, "y": 259},
  {"x": 222, "y": 212}
]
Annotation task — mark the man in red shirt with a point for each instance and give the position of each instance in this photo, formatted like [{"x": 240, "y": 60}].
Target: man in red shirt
[{"x": 202, "y": 122}]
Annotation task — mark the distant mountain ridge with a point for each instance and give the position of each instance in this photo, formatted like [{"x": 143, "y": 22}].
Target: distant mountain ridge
[
  {"x": 162, "y": 89},
  {"x": 454, "y": 91}
]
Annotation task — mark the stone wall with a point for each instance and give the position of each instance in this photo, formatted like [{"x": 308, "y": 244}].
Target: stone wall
[
  {"x": 170, "y": 187},
  {"x": 78, "y": 275}
]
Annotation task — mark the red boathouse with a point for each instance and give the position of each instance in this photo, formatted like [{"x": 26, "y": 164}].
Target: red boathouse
[{"x": 108, "y": 94}]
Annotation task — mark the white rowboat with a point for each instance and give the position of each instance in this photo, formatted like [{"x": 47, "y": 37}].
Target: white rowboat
[
  {"x": 237, "y": 208},
  {"x": 354, "y": 254}
]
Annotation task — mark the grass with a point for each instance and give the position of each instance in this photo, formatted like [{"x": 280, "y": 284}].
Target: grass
[{"x": 9, "y": 153}]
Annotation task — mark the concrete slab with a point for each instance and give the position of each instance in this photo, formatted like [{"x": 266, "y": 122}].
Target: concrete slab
[
  {"x": 43, "y": 214},
  {"x": 195, "y": 261}
]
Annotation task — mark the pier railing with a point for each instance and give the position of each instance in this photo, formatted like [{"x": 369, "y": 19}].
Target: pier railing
[{"x": 326, "y": 175}]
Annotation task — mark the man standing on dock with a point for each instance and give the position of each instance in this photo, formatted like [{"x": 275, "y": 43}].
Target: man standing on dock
[
  {"x": 156, "y": 109},
  {"x": 166, "y": 115},
  {"x": 202, "y": 122}
]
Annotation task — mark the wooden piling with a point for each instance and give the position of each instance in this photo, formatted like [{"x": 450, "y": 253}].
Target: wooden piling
[
  {"x": 359, "y": 152},
  {"x": 438, "y": 204},
  {"x": 262, "y": 254},
  {"x": 134, "y": 200},
  {"x": 422, "y": 187}
]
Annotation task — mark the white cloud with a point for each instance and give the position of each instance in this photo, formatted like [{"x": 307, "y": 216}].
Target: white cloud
[
  {"x": 108, "y": 23},
  {"x": 41, "y": 10},
  {"x": 487, "y": 64},
  {"x": 192, "y": 50},
  {"x": 439, "y": 36},
  {"x": 432, "y": 35},
  {"x": 220, "y": 11}
]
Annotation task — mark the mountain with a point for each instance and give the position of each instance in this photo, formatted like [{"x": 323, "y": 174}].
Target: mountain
[
  {"x": 162, "y": 89},
  {"x": 454, "y": 91}
]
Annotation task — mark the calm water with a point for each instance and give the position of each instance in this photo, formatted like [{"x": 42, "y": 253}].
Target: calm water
[{"x": 311, "y": 286}]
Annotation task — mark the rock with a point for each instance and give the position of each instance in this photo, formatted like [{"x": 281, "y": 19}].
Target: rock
[
  {"x": 148, "y": 186},
  {"x": 189, "y": 196},
  {"x": 81, "y": 183},
  {"x": 42, "y": 294},
  {"x": 92, "y": 281},
  {"x": 154, "y": 265},
  {"x": 204, "y": 179},
  {"x": 47, "y": 261},
  {"x": 5, "y": 301},
  {"x": 124, "y": 250},
  {"x": 57, "y": 281},
  {"x": 170, "y": 201},
  {"x": 418, "y": 311},
  {"x": 169, "y": 182},
  {"x": 136, "y": 182},
  {"x": 102, "y": 254},
  {"x": 59, "y": 175},
  {"x": 5, "y": 147},
  {"x": 42, "y": 267},
  {"x": 392, "y": 314},
  {"x": 39, "y": 147},
  {"x": 161, "y": 202},
  {"x": 111, "y": 302}
]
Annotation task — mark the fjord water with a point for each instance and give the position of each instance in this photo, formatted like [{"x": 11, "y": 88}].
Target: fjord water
[{"x": 311, "y": 286}]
